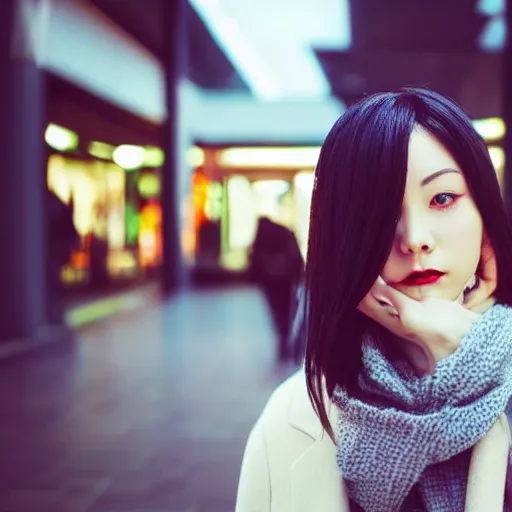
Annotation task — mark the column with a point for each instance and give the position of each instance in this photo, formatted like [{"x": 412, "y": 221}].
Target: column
[
  {"x": 507, "y": 109},
  {"x": 173, "y": 269},
  {"x": 22, "y": 176}
]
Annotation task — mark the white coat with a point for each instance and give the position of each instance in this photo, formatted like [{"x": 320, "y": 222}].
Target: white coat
[{"x": 289, "y": 463}]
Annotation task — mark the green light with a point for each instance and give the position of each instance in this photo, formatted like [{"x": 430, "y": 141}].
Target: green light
[
  {"x": 101, "y": 150},
  {"x": 153, "y": 157},
  {"x": 149, "y": 185},
  {"x": 132, "y": 219}
]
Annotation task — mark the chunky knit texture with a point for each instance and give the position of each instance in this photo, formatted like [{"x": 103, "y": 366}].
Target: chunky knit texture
[{"x": 404, "y": 442}]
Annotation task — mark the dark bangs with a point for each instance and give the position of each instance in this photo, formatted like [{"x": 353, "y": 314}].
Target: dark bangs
[{"x": 357, "y": 200}]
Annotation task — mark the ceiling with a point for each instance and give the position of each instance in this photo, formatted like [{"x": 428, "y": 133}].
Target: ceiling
[
  {"x": 207, "y": 66},
  {"x": 402, "y": 42},
  {"x": 392, "y": 43}
]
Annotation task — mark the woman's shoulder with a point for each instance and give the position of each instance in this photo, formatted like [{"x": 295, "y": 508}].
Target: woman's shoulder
[
  {"x": 289, "y": 407},
  {"x": 288, "y": 390}
]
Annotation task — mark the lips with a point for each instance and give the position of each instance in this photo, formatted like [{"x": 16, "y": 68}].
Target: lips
[{"x": 424, "y": 277}]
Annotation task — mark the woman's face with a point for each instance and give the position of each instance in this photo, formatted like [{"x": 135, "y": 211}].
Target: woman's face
[{"x": 440, "y": 227}]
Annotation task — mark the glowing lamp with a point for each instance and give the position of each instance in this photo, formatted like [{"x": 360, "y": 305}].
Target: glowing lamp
[
  {"x": 153, "y": 157},
  {"x": 491, "y": 128},
  {"x": 129, "y": 157},
  {"x": 60, "y": 138},
  {"x": 195, "y": 156},
  {"x": 273, "y": 157},
  {"x": 149, "y": 185},
  {"x": 497, "y": 157},
  {"x": 101, "y": 150}
]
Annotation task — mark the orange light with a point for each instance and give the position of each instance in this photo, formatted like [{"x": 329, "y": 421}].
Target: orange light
[
  {"x": 150, "y": 235},
  {"x": 200, "y": 185}
]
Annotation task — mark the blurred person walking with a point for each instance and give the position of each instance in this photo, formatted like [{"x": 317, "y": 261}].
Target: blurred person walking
[
  {"x": 61, "y": 238},
  {"x": 276, "y": 265}
]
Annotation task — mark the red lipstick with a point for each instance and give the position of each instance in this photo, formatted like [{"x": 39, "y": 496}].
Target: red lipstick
[{"x": 423, "y": 277}]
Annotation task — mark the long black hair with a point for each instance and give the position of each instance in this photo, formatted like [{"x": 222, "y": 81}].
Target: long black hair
[{"x": 357, "y": 199}]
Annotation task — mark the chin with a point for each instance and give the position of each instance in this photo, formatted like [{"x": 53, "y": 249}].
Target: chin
[{"x": 430, "y": 292}]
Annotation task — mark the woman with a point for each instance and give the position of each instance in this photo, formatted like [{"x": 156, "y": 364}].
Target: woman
[{"x": 408, "y": 369}]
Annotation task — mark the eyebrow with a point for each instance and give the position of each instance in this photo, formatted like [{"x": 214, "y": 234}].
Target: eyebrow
[{"x": 435, "y": 175}]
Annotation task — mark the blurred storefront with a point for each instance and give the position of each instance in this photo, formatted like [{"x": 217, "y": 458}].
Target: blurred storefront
[
  {"x": 107, "y": 165},
  {"x": 112, "y": 207},
  {"x": 107, "y": 169},
  {"x": 115, "y": 194},
  {"x": 234, "y": 186}
]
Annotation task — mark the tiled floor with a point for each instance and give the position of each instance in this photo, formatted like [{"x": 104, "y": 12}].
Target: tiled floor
[{"x": 146, "y": 412}]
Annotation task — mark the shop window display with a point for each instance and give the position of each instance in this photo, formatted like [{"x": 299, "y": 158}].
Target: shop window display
[{"x": 96, "y": 190}]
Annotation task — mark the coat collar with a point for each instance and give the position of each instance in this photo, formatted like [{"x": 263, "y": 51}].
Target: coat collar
[
  {"x": 316, "y": 482},
  {"x": 302, "y": 415}
]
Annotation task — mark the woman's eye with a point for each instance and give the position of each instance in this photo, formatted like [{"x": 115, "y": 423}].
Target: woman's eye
[{"x": 444, "y": 200}]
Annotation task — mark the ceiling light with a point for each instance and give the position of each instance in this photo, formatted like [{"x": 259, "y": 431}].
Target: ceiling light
[
  {"x": 153, "y": 157},
  {"x": 60, "y": 138},
  {"x": 491, "y": 128},
  {"x": 195, "y": 156},
  {"x": 129, "y": 157},
  {"x": 277, "y": 60},
  {"x": 490, "y": 7},
  {"x": 101, "y": 150},
  {"x": 497, "y": 157},
  {"x": 277, "y": 157}
]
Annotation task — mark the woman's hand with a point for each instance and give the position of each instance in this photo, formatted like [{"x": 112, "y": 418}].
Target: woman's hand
[{"x": 435, "y": 327}]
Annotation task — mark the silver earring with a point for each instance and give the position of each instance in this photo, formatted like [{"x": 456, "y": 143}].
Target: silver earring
[{"x": 472, "y": 285}]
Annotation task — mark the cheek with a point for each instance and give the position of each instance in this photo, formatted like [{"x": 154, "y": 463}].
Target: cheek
[
  {"x": 461, "y": 234},
  {"x": 460, "y": 243}
]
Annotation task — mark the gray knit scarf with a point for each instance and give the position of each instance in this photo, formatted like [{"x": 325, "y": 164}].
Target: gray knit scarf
[{"x": 404, "y": 442}]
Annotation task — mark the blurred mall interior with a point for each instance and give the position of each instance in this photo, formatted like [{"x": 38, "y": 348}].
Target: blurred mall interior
[
  {"x": 168, "y": 128},
  {"x": 118, "y": 86}
]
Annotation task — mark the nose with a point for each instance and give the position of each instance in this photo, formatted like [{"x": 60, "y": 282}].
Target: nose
[{"x": 414, "y": 235}]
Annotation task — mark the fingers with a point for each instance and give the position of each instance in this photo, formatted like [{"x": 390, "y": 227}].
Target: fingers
[
  {"x": 399, "y": 314},
  {"x": 377, "y": 307},
  {"x": 396, "y": 299},
  {"x": 429, "y": 329}
]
